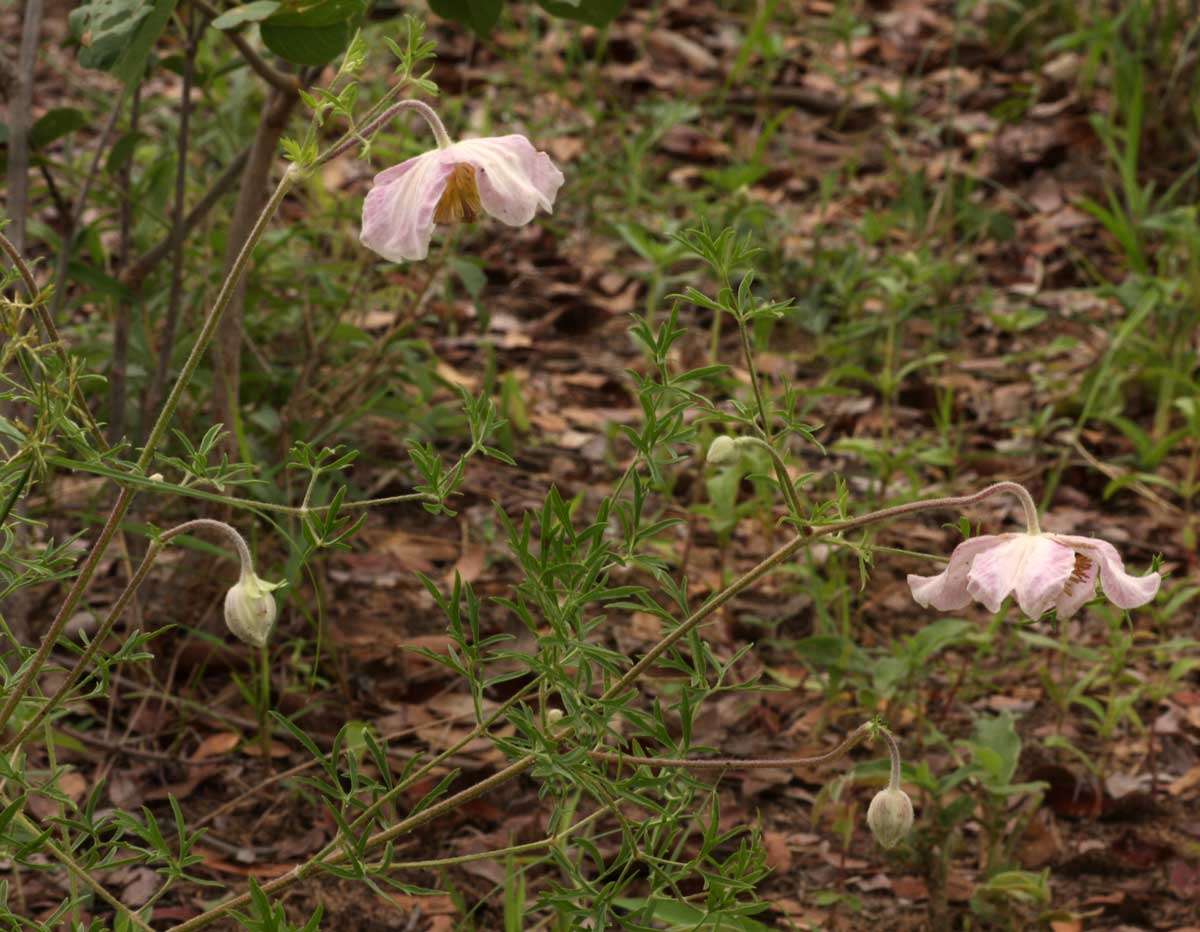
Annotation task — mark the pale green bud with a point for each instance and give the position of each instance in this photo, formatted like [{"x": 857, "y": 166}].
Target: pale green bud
[
  {"x": 723, "y": 451},
  {"x": 250, "y": 608},
  {"x": 890, "y": 816}
]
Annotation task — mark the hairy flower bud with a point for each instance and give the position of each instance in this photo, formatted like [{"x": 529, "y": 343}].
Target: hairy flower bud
[
  {"x": 723, "y": 451},
  {"x": 890, "y": 816},
  {"x": 250, "y": 608}
]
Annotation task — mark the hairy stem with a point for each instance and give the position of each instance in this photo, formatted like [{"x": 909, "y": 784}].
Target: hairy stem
[
  {"x": 894, "y": 754},
  {"x": 178, "y": 231},
  {"x": 735, "y": 763},
  {"x": 426, "y": 111}
]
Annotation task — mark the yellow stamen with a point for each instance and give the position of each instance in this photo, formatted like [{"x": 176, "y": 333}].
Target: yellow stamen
[
  {"x": 460, "y": 200},
  {"x": 1078, "y": 574}
]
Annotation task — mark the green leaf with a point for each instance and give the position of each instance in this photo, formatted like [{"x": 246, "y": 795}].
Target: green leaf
[
  {"x": 54, "y": 125},
  {"x": 312, "y": 13},
  {"x": 104, "y": 28},
  {"x": 592, "y": 12},
  {"x": 312, "y": 32},
  {"x": 480, "y": 15},
  {"x": 305, "y": 45},
  {"x": 132, "y": 63},
  {"x": 248, "y": 13},
  {"x": 997, "y": 747},
  {"x": 122, "y": 151}
]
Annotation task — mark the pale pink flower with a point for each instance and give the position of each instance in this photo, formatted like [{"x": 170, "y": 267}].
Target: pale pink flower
[
  {"x": 1044, "y": 571},
  {"x": 504, "y": 176}
]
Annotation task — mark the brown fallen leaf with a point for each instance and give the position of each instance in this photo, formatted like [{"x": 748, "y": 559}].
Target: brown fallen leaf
[
  {"x": 1186, "y": 782},
  {"x": 215, "y": 745},
  {"x": 779, "y": 857}
]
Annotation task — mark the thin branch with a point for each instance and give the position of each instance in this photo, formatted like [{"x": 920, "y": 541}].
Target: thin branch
[
  {"x": 144, "y": 264},
  {"x": 19, "y": 121},
  {"x": 122, "y": 311},
  {"x": 287, "y": 83},
  {"x": 68, "y": 240},
  {"x": 178, "y": 233},
  {"x": 735, "y": 763}
]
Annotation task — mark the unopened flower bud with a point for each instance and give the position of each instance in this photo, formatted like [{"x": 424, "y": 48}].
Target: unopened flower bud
[
  {"x": 156, "y": 477},
  {"x": 723, "y": 451},
  {"x": 553, "y": 716},
  {"x": 890, "y": 816},
  {"x": 250, "y": 608}
]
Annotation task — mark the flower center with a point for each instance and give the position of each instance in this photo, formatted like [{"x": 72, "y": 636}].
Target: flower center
[
  {"x": 459, "y": 203},
  {"x": 1078, "y": 574}
]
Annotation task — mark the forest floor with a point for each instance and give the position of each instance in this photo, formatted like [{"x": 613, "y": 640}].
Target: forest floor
[{"x": 876, "y": 161}]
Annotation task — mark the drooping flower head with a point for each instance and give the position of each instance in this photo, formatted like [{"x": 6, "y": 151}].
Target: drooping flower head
[
  {"x": 502, "y": 176},
  {"x": 250, "y": 608},
  {"x": 890, "y": 816},
  {"x": 1043, "y": 570}
]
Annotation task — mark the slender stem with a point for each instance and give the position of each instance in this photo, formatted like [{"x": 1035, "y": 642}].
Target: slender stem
[
  {"x": 277, "y": 79},
  {"x": 178, "y": 233},
  {"x": 239, "y": 543},
  {"x": 142, "y": 266},
  {"x": 18, "y": 261},
  {"x": 72, "y": 221},
  {"x": 228, "y": 287},
  {"x": 302, "y": 871},
  {"x": 767, "y": 440},
  {"x": 502, "y": 852},
  {"x": 426, "y": 111},
  {"x": 735, "y": 763},
  {"x": 143, "y": 482},
  {"x": 125, "y": 497},
  {"x": 808, "y": 533},
  {"x": 748, "y": 353},
  {"x": 20, "y": 103},
  {"x": 894, "y": 754},
  {"x": 781, "y": 473}
]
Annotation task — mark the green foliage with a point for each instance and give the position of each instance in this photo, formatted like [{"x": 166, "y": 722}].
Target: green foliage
[
  {"x": 481, "y": 16},
  {"x": 117, "y": 35},
  {"x": 311, "y": 32}
]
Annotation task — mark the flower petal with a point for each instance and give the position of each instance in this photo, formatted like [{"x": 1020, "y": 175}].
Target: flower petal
[
  {"x": 1079, "y": 587},
  {"x": 514, "y": 178},
  {"x": 1031, "y": 564},
  {"x": 398, "y": 210},
  {"x": 1123, "y": 590},
  {"x": 1043, "y": 574},
  {"x": 947, "y": 591}
]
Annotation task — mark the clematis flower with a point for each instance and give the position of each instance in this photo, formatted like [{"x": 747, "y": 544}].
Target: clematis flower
[
  {"x": 1044, "y": 571},
  {"x": 502, "y": 176}
]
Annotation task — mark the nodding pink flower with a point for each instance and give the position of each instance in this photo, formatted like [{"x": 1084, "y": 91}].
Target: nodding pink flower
[
  {"x": 503, "y": 176},
  {"x": 1044, "y": 570}
]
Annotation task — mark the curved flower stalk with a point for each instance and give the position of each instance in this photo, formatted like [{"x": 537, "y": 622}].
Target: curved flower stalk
[
  {"x": 502, "y": 176},
  {"x": 890, "y": 815},
  {"x": 1043, "y": 570}
]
